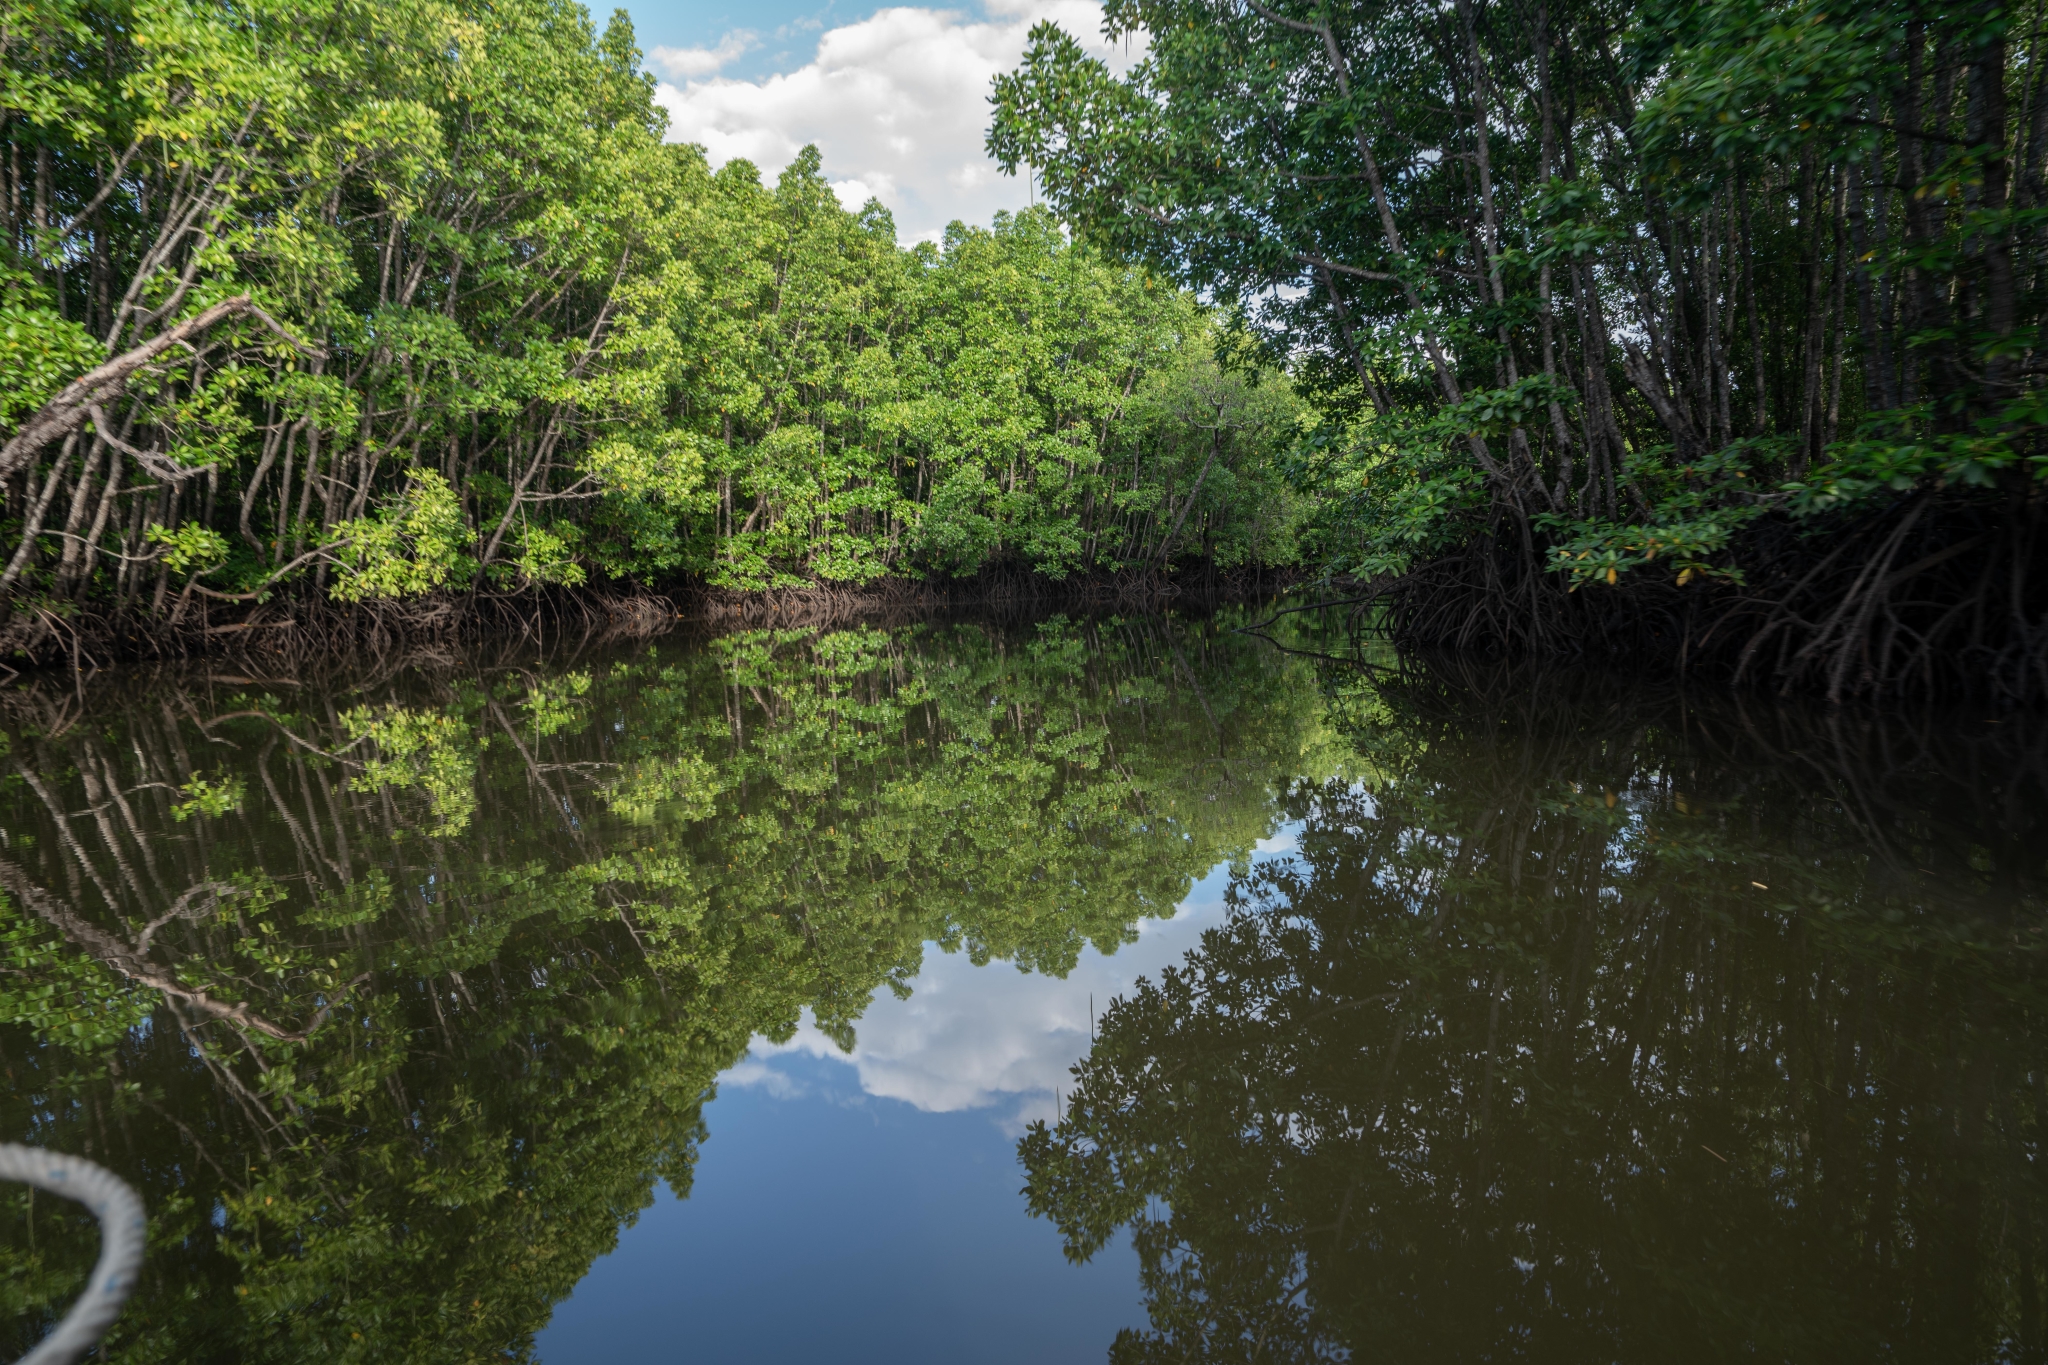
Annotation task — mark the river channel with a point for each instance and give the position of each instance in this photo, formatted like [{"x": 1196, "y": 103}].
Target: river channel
[{"x": 1066, "y": 989}]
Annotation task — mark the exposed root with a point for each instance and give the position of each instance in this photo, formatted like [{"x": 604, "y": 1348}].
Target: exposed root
[{"x": 1941, "y": 592}]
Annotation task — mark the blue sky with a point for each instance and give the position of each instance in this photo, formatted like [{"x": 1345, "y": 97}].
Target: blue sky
[
  {"x": 788, "y": 29},
  {"x": 864, "y": 1209},
  {"x": 827, "y": 1226},
  {"x": 896, "y": 98}
]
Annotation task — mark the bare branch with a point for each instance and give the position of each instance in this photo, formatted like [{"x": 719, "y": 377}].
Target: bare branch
[{"x": 73, "y": 404}]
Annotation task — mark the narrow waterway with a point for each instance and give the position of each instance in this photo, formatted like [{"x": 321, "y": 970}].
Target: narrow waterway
[{"x": 1070, "y": 989}]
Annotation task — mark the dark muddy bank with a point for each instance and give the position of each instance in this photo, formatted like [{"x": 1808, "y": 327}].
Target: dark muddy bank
[{"x": 39, "y": 635}]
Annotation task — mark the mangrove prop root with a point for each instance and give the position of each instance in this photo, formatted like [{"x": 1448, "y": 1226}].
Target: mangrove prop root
[{"x": 1936, "y": 593}]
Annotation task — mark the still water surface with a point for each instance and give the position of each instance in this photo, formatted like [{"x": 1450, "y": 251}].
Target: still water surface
[{"x": 1064, "y": 990}]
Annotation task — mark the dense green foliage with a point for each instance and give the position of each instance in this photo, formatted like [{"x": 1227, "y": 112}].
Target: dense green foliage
[
  {"x": 395, "y": 997},
  {"x": 352, "y": 302},
  {"x": 1701, "y": 330},
  {"x": 1705, "y": 326},
  {"x": 1593, "y": 1027}
]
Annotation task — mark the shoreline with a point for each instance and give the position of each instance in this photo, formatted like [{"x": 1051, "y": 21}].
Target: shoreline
[
  {"x": 294, "y": 633},
  {"x": 37, "y": 637}
]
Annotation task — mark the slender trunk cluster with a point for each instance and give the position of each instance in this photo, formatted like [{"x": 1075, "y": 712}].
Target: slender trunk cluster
[{"x": 1627, "y": 319}]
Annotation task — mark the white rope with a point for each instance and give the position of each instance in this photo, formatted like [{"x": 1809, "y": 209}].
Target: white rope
[{"x": 122, "y": 1224}]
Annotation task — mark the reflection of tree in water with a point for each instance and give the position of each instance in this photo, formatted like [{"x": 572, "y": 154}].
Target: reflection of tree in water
[
  {"x": 395, "y": 997},
  {"x": 1514, "y": 1058}
]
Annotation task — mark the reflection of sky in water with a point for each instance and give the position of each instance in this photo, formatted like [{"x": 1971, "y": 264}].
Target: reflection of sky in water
[{"x": 865, "y": 1207}]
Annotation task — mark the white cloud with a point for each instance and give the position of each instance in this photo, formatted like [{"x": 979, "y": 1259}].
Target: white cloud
[
  {"x": 753, "y": 1072},
  {"x": 853, "y": 193},
  {"x": 897, "y": 104},
  {"x": 692, "y": 63},
  {"x": 978, "y": 1037}
]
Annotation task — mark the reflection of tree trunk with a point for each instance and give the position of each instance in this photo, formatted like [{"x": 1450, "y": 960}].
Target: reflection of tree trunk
[
  {"x": 124, "y": 961},
  {"x": 1180, "y": 661}
]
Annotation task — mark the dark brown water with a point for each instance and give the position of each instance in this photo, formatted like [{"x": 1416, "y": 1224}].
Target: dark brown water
[{"x": 1562, "y": 1019}]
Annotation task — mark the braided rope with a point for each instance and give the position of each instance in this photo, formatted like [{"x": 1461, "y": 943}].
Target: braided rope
[{"x": 122, "y": 1224}]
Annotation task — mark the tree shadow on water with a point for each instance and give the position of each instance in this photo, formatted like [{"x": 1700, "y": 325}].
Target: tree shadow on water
[{"x": 1590, "y": 1021}]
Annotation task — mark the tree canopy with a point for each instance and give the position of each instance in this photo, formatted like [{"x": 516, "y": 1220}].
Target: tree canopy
[
  {"x": 1709, "y": 330},
  {"x": 1696, "y": 332},
  {"x": 319, "y": 303}
]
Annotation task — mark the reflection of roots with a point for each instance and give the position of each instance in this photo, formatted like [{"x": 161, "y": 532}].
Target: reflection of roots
[
  {"x": 998, "y": 594},
  {"x": 1937, "y": 593},
  {"x": 1924, "y": 788},
  {"x": 287, "y": 634}
]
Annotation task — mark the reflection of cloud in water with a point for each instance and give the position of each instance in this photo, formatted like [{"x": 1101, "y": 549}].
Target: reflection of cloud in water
[
  {"x": 1282, "y": 843},
  {"x": 974, "y": 1037}
]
